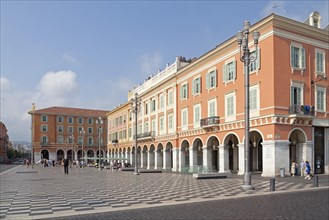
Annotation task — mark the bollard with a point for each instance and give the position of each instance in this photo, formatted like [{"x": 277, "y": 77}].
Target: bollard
[
  {"x": 316, "y": 181},
  {"x": 272, "y": 184}
]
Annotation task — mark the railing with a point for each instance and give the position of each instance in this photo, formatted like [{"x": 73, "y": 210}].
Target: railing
[
  {"x": 301, "y": 110},
  {"x": 115, "y": 141},
  {"x": 211, "y": 121},
  {"x": 44, "y": 143},
  {"x": 149, "y": 134}
]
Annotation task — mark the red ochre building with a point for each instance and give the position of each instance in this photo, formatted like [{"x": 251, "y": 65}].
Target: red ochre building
[
  {"x": 57, "y": 133},
  {"x": 4, "y": 142},
  {"x": 191, "y": 114}
]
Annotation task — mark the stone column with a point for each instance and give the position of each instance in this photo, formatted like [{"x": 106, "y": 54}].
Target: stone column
[
  {"x": 221, "y": 158},
  {"x": 176, "y": 159},
  {"x": 241, "y": 159}
]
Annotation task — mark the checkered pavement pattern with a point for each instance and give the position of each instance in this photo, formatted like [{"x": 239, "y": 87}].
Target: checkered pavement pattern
[{"x": 47, "y": 192}]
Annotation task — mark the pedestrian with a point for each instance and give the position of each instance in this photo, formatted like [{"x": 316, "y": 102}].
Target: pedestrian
[
  {"x": 308, "y": 170},
  {"x": 296, "y": 168},
  {"x": 66, "y": 166},
  {"x": 302, "y": 168},
  {"x": 53, "y": 163},
  {"x": 292, "y": 168}
]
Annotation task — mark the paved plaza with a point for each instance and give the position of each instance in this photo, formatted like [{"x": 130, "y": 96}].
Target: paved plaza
[{"x": 45, "y": 192}]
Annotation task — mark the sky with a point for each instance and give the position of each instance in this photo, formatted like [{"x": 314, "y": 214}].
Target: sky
[{"x": 89, "y": 54}]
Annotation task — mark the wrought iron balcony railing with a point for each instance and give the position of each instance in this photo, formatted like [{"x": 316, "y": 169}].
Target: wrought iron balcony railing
[
  {"x": 145, "y": 135},
  {"x": 302, "y": 110},
  {"x": 210, "y": 122},
  {"x": 115, "y": 141}
]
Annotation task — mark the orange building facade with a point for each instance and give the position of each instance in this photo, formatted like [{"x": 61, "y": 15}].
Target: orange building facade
[
  {"x": 4, "y": 142},
  {"x": 191, "y": 117},
  {"x": 60, "y": 132}
]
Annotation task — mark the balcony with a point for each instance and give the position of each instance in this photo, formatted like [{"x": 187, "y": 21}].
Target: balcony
[
  {"x": 146, "y": 136},
  {"x": 301, "y": 110},
  {"x": 115, "y": 141},
  {"x": 209, "y": 123},
  {"x": 44, "y": 144}
]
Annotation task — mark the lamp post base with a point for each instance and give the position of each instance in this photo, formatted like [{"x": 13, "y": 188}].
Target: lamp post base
[
  {"x": 136, "y": 173},
  {"x": 247, "y": 182}
]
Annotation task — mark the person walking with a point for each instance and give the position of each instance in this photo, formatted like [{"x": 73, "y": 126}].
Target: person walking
[
  {"x": 66, "y": 166},
  {"x": 302, "y": 168},
  {"x": 308, "y": 170}
]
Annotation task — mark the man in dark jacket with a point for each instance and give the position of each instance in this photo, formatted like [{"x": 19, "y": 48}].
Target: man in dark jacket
[{"x": 66, "y": 166}]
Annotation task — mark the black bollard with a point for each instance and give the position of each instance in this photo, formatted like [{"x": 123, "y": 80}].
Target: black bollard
[
  {"x": 316, "y": 181},
  {"x": 272, "y": 184}
]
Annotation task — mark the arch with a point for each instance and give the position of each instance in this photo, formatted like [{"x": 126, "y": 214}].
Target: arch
[
  {"x": 297, "y": 138},
  {"x": 231, "y": 152},
  {"x": 80, "y": 154},
  {"x": 45, "y": 154},
  {"x": 90, "y": 153},
  {"x": 168, "y": 156},
  {"x": 159, "y": 156},
  {"x": 213, "y": 147},
  {"x": 197, "y": 148},
  {"x": 185, "y": 155},
  {"x": 70, "y": 155},
  {"x": 256, "y": 151},
  {"x": 144, "y": 156},
  {"x": 60, "y": 155}
]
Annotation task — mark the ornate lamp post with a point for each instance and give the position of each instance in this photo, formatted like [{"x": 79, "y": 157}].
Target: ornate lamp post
[
  {"x": 82, "y": 135},
  {"x": 99, "y": 122},
  {"x": 135, "y": 106},
  {"x": 245, "y": 57}
]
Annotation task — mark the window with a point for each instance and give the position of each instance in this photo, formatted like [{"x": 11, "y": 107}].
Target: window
[
  {"x": 229, "y": 71},
  {"x": 70, "y": 120},
  {"x": 90, "y": 140},
  {"x": 44, "y": 140},
  {"x": 170, "y": 97},
  {"x": 60, "y": 129},
  {"x": 211, "y": 79},
  {"x": 120, "y": 135},
  {"x": 116, "y": 121},
  {"x": 320, "y": 99},
  {"x": 184, "y": 119},
  {"x": 124, "y": 134},
  {"x": 196, "y": 86},
  {"x": 90, "y": 121},
  {"x": 90, "y": 130},
  {"x": 60, "y": 119},
  {"x": 44, "y": 118},
  {"x": 184, "y": 91},
  {"x": 153, "y": 105},
  {"x": 161, "y": 125},
  {"x": 60, "y": 139},
  {"x": 296, "y": 94},
  {"x": 320, "y": 61},
  {"x": 161, "y": 97},
  {"x": 129, "y": 132},
  {"x": 120, "y": 120},
  {"x": 146, "y": 108},
  {"x": 153, "y": 125},
  {"x": 197, "y": 115},
  {"x": 140, "y": 129},
  {"x": 254, "y": 101},
  {"x": 146, "y": 127},
  {"x": 170, "y": 122},
  {"x": 44, "y": 128},
  {"x": 80, "y": 120},
  {"x": 70, "y": 129},
  {"x": 297, "y": 56},
  {"x": 230, "y": 106},
  {"x": 212, "y": 111},
  {"x": 255, "y": 65}
]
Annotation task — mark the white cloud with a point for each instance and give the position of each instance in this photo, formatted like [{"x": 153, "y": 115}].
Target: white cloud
[
  {"x": 57, "y": 88},
  {"x": 70, "y": 59},
  {"x": 150, "y": 63}
]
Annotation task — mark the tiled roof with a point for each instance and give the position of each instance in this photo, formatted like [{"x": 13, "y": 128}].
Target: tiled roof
[{"x": 71, "y": 111}]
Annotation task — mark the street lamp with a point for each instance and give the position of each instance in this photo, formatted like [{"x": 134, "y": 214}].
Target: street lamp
[
  {"x": 82, "y": 135},
  {"x": 135, "y": 105},
  {"x": 99, "y": 122},
  {"x": 245, "y": 57}
]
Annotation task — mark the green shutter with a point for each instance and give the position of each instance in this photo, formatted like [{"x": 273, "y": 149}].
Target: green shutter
[
  {"x": 208, "y": 80},
  {"x": 303, "y": 58},
  {"x": 234, "y": 69},
  {"x": 224, "y": 73},
  {"x": 291, "y": 95},
  {"x": 181, "y": 92},
  {"x": 193, "y": 86},
  {"x": 258, "y": 58},
  {"x": 186, "y": 90},
  {"x": 215, "y": 77},
  {"x": 200, "y": 83},
  {"x": 291, "y": 55}
]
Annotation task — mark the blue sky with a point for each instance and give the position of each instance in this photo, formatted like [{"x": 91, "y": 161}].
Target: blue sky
[{"x": 88, "y": 54}]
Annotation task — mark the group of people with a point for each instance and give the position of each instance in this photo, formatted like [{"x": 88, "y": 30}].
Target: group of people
[{"x": 305, "y": 169}]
